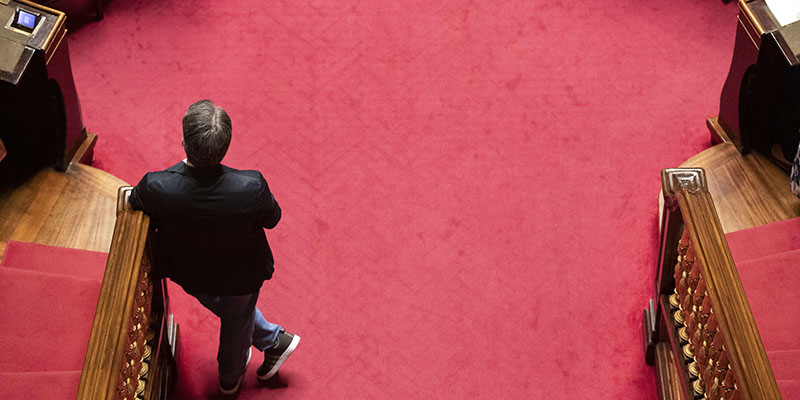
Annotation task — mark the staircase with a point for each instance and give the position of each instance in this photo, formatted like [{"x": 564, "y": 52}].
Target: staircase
[
  {"x": 48, "y": 297},
  {"x": 768, "y": 260}
]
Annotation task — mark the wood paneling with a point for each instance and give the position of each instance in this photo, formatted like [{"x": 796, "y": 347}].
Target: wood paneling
[{"x": 74, "y": 209}]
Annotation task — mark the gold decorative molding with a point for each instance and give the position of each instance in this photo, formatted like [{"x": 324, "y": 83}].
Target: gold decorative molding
[{"x": 751, "y": 17}]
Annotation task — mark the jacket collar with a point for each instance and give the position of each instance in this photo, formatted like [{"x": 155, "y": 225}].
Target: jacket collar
[{"x": 197, "y": 173}]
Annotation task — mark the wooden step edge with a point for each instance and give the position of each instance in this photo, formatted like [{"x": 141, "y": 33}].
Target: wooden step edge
[
  {"x": 2, "y": 250},
  {"x": 718, "y": 134},
  {"x": 85, "y": 152}
]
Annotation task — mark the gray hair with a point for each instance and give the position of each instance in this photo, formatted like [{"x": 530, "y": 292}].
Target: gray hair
[{"x": 206, "y": 134}]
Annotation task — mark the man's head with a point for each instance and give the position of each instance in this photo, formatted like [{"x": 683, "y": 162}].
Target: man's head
[{"x": 206, "y": 134}]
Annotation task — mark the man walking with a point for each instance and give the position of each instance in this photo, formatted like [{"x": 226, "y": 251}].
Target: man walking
[{"x": 209, "y": 238}]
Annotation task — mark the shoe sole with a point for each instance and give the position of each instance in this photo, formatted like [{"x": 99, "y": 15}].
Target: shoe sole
[
  {"x": 239, "y": 383},
  {"x": 284, "y": 356}
]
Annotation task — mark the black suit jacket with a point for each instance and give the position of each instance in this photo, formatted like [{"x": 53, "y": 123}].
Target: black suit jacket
[{"x": 209, "y": 235}]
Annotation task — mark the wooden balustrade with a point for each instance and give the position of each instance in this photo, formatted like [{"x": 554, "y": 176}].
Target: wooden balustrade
[
  {"x": 132, "y": 347},
  {"x": 701, "y": 311}
]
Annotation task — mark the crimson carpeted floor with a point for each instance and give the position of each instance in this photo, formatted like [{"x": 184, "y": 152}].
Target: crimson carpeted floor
[
  {"x": 469, "y": 187},
  {"x": 48, "y": 297},
  {"x": 767, "y": 258}
]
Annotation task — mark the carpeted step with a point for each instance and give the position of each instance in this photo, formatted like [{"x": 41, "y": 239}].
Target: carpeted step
[
  {"x": 771, "y": 284},
  {"x": 57, "y": 260},
  {"x": 765, "y": 240},
  {"x": 790, "y": 390},
  {"x": 46, "y": 320},
  {"x": 785, "y": 364},
  {"x": 48, "y": 385}
]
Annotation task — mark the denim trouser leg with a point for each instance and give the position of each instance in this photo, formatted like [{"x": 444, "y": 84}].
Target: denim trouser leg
[
  {"x": 241, "y": 325},
  {"x": 265, "y": 333}
]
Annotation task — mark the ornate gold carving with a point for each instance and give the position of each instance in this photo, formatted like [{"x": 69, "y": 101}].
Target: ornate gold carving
[
  {"x": 678, "y": 317},
  {"x": 673, "y": 301},
  {"x": 699, "y": 387},
  {"x": 688, "y": 351},
  {"x": 146, "y": 353},
  {"x": 684, "y": 335},
  {"x": 143, "y": 370},
  {"x": 693, "y": 369}
]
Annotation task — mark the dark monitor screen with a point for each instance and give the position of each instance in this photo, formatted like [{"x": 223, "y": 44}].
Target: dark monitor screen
[{"x": 25, "y": 20}]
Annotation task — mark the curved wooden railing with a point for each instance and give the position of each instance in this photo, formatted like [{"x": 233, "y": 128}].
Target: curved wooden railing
[
  {"x": 131, "y": 349},
  {"x": 701, "y": 314}
]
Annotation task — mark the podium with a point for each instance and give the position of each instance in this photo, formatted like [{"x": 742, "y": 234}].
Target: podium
[
  {"x": 760, "y": 100},
  {"x": 39, "y": 108}
]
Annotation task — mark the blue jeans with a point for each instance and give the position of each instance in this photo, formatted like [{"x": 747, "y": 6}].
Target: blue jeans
[{"x": 242, "y": 326}]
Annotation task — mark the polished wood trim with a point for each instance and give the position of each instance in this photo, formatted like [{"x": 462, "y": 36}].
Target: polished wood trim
[
  {"x": 73, "y": 209},
  {"x": 86, "y": 145},
  {"x": 669, "y": 337},
  {"x": 50, "y": 51},
  {"x": 106, "y": 348},
  {"x": 748, "y": 358},
  {"x": 129, "y": 303},
  {"x": 2, "y": 249},
  {"x": 667, "y": 375},
  {"x": 670, "y": 229},
  {"x": 717, "y": 131},
  {"x": 748, "y": 190}
]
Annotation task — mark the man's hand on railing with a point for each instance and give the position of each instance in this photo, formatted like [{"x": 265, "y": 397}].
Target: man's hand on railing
[{"x": 123, "y": 197}]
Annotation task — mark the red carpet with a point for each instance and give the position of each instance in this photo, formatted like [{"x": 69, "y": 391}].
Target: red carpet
[
  {"x": 469, "y": 187},
  {"x": 48, "y": 296},
  {"x": 768, "y": 260},
  {"x": 39, "y": 385},
  {"x": 36, "y": 257}
]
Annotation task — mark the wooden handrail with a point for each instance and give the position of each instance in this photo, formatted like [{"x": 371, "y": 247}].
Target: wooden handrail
[
  {"x": 687, "y": 198},
  {"x": 122, "y": 283}
]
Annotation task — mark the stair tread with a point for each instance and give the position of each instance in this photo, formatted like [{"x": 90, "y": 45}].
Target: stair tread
[
  {"x": 770, "y": 284},
  {"x": 46, "y": 320},
  {"x": 47, "y": 385},
  {"x": 59, "y": 260},
  {"x": 765, "y": 240},
  {"x": 785, "y": 364},
  {"x": 790, "y": 389}
]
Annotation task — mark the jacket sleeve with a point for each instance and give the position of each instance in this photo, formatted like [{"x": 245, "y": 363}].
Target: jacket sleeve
[
  {"x": 139, "y": 198},
  {"x": 271, "y": 211}
]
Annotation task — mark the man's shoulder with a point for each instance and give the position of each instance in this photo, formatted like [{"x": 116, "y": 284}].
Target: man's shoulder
[
  {"x": 243, "y": 174},
  {"x": 181, "y": 176},
  {"x": 156, "y": 177}
]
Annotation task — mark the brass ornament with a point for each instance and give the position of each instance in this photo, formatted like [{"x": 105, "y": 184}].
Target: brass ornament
[
  {"x": 693, "y": 369},
  {"x": 684, "y": 335},
  {"x": 678, "y": 317},
  {"x": 699, "y": 387},
  {"x": 143, "y": 370},
  {"x": 146, "y": 353},
  {"x": 673, "y": 301},
  {"x": 688, "y": 351}
]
